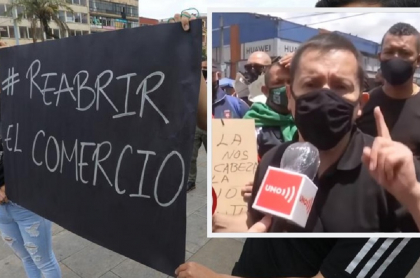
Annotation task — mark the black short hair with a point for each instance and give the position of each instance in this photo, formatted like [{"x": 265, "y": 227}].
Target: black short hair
[
  {"x": 342, "y": 3},
  {"x": 324, "y": 43},
  {"x": 403, "y": 29}
]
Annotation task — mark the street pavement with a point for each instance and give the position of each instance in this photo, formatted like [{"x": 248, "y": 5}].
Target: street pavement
[{"x": 80, "y": 258}]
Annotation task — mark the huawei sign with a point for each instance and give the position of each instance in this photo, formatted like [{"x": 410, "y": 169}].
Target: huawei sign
[{"x": 307, "y": 203}]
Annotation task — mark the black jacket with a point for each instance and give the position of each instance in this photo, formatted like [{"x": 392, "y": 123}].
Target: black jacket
[{"x": 267, "y": 138}]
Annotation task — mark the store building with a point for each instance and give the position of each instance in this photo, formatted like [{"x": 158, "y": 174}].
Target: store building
[
  {"x": 78, "y": 23},
  {"x": 245, "y": 33},
  {"x": 113, "y": 15},
  {"x": 145, "y": 21}
]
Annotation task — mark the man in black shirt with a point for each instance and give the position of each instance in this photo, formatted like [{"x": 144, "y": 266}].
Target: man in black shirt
[
  {"x": 324, "y": 97},
  {"x": 398, "y": 98},
  {"x": 318, "y": 258}
]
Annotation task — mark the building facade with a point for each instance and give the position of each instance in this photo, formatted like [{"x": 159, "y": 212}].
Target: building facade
[
  {"x": 145, "y": 21},
  {"x": 78, "y": 23},
  {"x": 113, "y": 15},
  {"x": 244, "y": 33}
]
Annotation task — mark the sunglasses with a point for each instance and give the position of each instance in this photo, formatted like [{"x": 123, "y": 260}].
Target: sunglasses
[
  {"x": 204, "y": 71},
  {"x": 254, "y": 67}
]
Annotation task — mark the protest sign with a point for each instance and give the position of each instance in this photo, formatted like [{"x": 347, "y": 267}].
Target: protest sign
[
  {"x": 98, "y": 133},
  {"x": 234, "y": 162}
]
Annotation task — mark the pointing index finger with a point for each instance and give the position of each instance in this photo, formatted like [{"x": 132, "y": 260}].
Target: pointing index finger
[{"x": 381, "y": 127}]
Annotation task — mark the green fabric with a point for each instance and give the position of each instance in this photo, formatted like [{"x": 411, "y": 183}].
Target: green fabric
[{"x": 264, "y": 116}]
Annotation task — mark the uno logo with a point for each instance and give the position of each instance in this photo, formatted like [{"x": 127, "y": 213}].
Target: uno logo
[
  {"x": 307, "y": 203},
  {"x": 214, "y": 201},
  {"x": 287, "y": 193}
]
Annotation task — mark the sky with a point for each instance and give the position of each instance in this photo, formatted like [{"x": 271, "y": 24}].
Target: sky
[
  {"x": 371, "y": 26},
  {"x": 161, "y": 9}
]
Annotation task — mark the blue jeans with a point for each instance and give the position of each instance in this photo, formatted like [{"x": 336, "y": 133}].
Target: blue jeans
[{"x": 29, "y": 235}]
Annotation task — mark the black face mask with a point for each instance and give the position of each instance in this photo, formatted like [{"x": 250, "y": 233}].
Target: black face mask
[
  {"x": 397, "y": 71},
  {"x": 323, "y": 118}
]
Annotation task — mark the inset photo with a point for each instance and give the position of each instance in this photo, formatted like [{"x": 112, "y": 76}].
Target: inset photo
[{"x": 315, "y": 120}]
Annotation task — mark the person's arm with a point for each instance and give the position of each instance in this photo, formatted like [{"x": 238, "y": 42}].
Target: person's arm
[
  {"x": 202, "y": 105},
  {"x": 243, "y": 108}
]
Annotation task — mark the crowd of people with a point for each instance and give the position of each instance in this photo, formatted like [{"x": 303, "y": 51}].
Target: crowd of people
[{"x": 368, "y": 179}]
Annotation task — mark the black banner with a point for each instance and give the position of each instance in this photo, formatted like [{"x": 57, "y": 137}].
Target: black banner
[{"x": 98, "y": 133}]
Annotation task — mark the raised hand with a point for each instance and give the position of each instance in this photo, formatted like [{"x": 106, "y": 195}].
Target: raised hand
[{"x": 391, "y": 164}]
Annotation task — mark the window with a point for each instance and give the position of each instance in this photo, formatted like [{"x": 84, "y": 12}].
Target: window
[
  {"x": 83, "y": 2},
  {"x": 70, "y": 17},
  {"x": 76, "y": 2},
  {"x": 3, "y": 32},
  {"x": 11, "y": 32},
  {"x": 56, "y": 32},
  {"x": 62, "y": 16},
  {"x": 21, "y": 11},
  {"x": 77, "y": 18},
  {"x": 39, "y": 33},
  {"x": 85, "y": 33},
  {"x": 69, "y": 1},
  {"x": 2, "y": 10},
  {"x": 23, "y": 33},
  {"x": 84, "y": 18}
]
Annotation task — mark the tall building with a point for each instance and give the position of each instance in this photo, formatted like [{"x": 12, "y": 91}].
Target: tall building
[
  {"x": 78, "y": 23},
  {"x": 113, "y": 15}
]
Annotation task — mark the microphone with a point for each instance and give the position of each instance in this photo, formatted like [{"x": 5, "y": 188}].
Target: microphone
[{"x": 288, "y": 192}]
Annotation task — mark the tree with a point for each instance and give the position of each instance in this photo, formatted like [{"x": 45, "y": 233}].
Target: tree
[{"x": 42, "y": 11}]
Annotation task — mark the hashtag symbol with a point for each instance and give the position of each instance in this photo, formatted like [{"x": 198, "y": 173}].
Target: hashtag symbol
[{"x": 9, "y": 83}]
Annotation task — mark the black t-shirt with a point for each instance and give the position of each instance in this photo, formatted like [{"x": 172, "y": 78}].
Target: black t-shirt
[
  {"x": 402, "y": 116},
  {"x": 348, "y": 198},
  {"x": 334, "y": 258},
  {"x": 267, "y": 138}
]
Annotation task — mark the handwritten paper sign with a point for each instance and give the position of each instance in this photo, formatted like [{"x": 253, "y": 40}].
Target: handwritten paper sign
[
  {"x": 98, "y": 134},
  {"x": 235, "y": 160}
]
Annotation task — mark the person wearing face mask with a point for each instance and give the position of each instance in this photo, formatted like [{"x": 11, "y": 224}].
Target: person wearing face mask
[
  {"x": 326, "y": 86},
  {"x": 225, "y": 106},
  {"x": 257, "y": 64},
  {"x": 200, "y": 138},
  {"x": 399, "y": 97},
  {"x": 273, "y": 122}
]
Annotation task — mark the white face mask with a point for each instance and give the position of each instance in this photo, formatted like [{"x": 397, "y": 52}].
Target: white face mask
[
  {"x": 240, "y": 86},
  {"x": 255, "y": 90}
]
